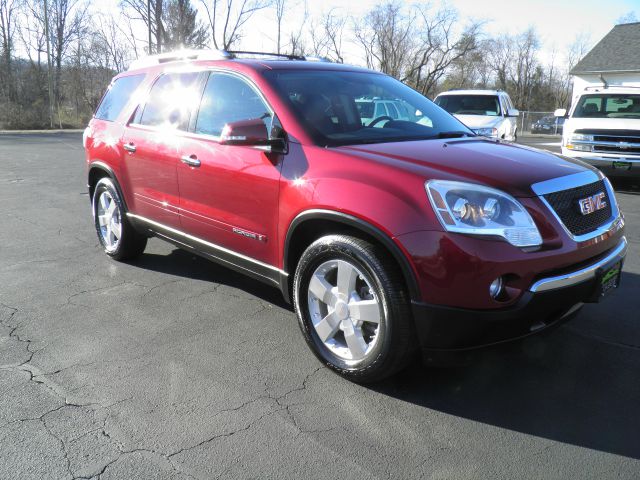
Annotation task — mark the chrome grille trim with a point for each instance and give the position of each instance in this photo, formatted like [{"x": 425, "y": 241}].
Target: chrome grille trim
[{"x": 574, "y": 181}]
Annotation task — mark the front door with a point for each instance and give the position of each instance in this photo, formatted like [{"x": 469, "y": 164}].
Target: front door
[{"x": 229, "y": 194}]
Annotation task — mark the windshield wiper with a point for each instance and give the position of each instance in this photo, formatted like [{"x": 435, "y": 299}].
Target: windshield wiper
[{"x": 454, "y": 134}]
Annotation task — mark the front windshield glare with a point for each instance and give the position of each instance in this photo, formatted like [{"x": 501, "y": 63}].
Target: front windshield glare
[
  {"x": 350, "y": 108},
  {"x": 608, "y": 106}
]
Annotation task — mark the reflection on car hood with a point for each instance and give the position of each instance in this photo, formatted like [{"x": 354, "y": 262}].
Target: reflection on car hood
[
  {"x": 508, "y": 167},
  {"x": 479, "y": 121}
]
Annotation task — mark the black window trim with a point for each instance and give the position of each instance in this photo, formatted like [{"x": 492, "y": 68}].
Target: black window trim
[
  {"x": 204, "y": 72},
  {"x": 142, "y": 105},
  {"x": 127, "y": 103}
]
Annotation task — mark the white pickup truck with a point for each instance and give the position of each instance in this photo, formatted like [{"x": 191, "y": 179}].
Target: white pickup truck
[{"x": 603, "y": 129}]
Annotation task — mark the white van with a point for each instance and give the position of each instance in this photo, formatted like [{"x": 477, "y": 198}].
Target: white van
[{"x": 489, "y": 113}]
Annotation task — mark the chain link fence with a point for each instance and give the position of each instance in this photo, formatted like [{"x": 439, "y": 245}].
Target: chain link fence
[{"x": 539, "y": 122}]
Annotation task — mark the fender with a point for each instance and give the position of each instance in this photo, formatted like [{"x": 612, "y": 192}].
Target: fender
[
  {"x": 98, "y": 165},
  {"x": 317, "y": 214}
]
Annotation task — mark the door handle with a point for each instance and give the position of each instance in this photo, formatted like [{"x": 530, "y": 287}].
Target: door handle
[
  {"x": 129, "y": 147},
  {"x": 190, "y": 160}
]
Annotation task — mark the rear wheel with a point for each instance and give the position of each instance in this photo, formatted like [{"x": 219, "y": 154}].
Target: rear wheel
[
  {"x": 117, "y": 236},
  {"x": 353, "y": 308}
]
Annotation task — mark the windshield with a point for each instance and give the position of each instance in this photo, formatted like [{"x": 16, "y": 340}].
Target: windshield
[
  {"x": 486, "y": 105},
  {"x": 608, "y": 106},
  {"x": 350, "y": 108}
]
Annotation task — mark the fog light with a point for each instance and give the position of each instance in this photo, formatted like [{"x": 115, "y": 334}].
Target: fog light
[{"x": 495, "y": 289}]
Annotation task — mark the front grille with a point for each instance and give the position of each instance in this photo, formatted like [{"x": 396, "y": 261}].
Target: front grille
[
  {"x": 565, "y": 204},
  {"x": 624, "y": 142},
  {"x": 617, "y": 149}
]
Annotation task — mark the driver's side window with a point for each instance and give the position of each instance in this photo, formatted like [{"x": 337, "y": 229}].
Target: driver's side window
[{"x": 227, "y": 99}]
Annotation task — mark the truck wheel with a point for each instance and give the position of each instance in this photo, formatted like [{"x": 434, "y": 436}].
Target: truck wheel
[
  {"x": 117, "y": 236},
  {"x": 353, "y": 308}
]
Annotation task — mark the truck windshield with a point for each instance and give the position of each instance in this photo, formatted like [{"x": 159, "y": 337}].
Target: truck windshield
[
  {"x": 486, "y": 105},
  {"x": 608, "y": 106},
  {"x": 349, "y": 108}
]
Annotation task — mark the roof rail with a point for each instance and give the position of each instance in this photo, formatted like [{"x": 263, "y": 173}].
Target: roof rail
[
  {"x": 236, "y": 53},
  {"x": 597, "y": 88},
  {"x": 187, "y": 54},
  {"x": 178, "y": 55}
]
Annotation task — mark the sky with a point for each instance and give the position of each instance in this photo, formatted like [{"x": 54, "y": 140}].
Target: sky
[{"x": 558, "y": 22}]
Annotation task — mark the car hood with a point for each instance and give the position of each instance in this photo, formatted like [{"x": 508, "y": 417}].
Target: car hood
[
  {"x": 573, "y": 124},
  {"x": 479, "y": 121},
  {"x": 508, "y": 167}
]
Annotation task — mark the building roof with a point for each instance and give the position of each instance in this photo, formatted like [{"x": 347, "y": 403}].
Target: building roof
[{"x": 618, "y": 51}]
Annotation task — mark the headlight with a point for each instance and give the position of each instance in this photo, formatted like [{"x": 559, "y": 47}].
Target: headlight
[
  {"x": 579, "y": 137},
  {"x": 487, "y": 132},
  {"x": 477, "y": 210}
]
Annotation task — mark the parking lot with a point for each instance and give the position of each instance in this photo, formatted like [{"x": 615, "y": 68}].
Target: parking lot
[{"x": 174, "y": 367}]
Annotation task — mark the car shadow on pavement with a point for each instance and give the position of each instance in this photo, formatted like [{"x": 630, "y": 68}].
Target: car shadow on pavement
[
  {"x": 578, "y": 384},
  {"x": 184, "y": 264}
]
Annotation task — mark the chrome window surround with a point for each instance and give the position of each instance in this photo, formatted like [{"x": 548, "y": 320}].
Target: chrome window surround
[
  {"x": 573, "y": 181},
  {"x": 586, "y": 273}
]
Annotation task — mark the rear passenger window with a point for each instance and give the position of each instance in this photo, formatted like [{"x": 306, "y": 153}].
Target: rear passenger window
[
  {"x": 229, "y": 99},
  {"x": 117, "y": 97},
  {"x": 171, "y": 101}
]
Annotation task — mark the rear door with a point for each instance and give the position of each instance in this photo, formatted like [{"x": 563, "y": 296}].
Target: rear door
[
  {"x": 229, "y": 194},
  {"x": 152, "y": 143}
]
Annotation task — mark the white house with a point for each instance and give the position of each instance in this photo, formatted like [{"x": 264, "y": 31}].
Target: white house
[{"x": 615, "y": 60}]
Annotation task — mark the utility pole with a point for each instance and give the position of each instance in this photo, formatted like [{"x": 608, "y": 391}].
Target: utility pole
[
  {"x": 149, "y": 23},
  {"x": 46, "y": 34}
]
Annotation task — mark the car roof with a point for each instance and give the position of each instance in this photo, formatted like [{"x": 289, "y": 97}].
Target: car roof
[{"x": 256, "y": 64}]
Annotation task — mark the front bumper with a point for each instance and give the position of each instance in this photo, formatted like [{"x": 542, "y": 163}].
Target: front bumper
[
  {"x": 548, "y": 301},
  {"x": 610, "y": 165}
]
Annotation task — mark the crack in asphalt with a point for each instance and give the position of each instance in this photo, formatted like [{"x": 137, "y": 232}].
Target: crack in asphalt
[{"x": 35, "y": 375}]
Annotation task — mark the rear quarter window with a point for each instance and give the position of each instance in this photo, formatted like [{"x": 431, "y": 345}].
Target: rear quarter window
[{"x": 117, "y": 97}]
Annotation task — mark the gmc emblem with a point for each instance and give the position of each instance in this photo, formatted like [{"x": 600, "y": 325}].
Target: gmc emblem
[{"x": 591, "y": 204}]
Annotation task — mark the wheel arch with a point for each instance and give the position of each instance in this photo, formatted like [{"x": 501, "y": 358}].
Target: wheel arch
[
  {"x": 98, "y": 170},
  {"x": 311, "y": 224}
]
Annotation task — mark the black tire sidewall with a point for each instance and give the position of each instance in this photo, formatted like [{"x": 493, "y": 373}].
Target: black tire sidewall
[
  {"x": 105, "y": 184},
  {"x": 334, "y": 248}
]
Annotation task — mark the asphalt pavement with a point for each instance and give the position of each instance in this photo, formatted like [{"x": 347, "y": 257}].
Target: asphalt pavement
[{"x": 174, "y": 367}]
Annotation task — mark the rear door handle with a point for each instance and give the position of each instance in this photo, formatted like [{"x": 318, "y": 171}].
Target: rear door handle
[
  {"x": 190, "y": 160},
  {"x": 129, "y": 147}
]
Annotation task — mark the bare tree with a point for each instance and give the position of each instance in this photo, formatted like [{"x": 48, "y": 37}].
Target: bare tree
[
  {"x": 8, "y": 24},
  {"x": 415, "y": 44},
  {"x": 150, "y": 13},
  {"x": 280, "y": 6},
  {"x": 386, "y": 35},
  {"x": 327, "y": 34},
  {"x": 228, "y": 17},
  {"x": 439, "y": 47}
]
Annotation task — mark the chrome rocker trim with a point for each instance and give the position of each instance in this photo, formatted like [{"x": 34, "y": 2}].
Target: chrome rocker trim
[
  {"x": 587, "y": 273},
  {"x": 230, "y": 258}
]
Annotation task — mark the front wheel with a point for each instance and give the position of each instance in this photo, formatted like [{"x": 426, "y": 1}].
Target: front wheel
[
  {"x": 117, "y": 236},
  {"x": 353, "y": 308}
]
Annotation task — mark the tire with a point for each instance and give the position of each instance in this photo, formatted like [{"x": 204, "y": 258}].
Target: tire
[
  {"x": 515, "y": 136},
  {"x": 359, "y": 341},
  {"x": 116, "y": 234}
]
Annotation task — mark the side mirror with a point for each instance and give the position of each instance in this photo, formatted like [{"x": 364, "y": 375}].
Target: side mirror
[
  {"x": 512, "y": 112},
  {"x": 561, "y": 112},
  {"x": 251, "y": 133}
]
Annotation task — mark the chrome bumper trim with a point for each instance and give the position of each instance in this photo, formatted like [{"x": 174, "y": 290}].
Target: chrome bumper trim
[{"x": 581, "y": 275}]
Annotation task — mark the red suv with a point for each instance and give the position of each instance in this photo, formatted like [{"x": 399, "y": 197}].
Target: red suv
[{"x": 390, "y": 235}]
